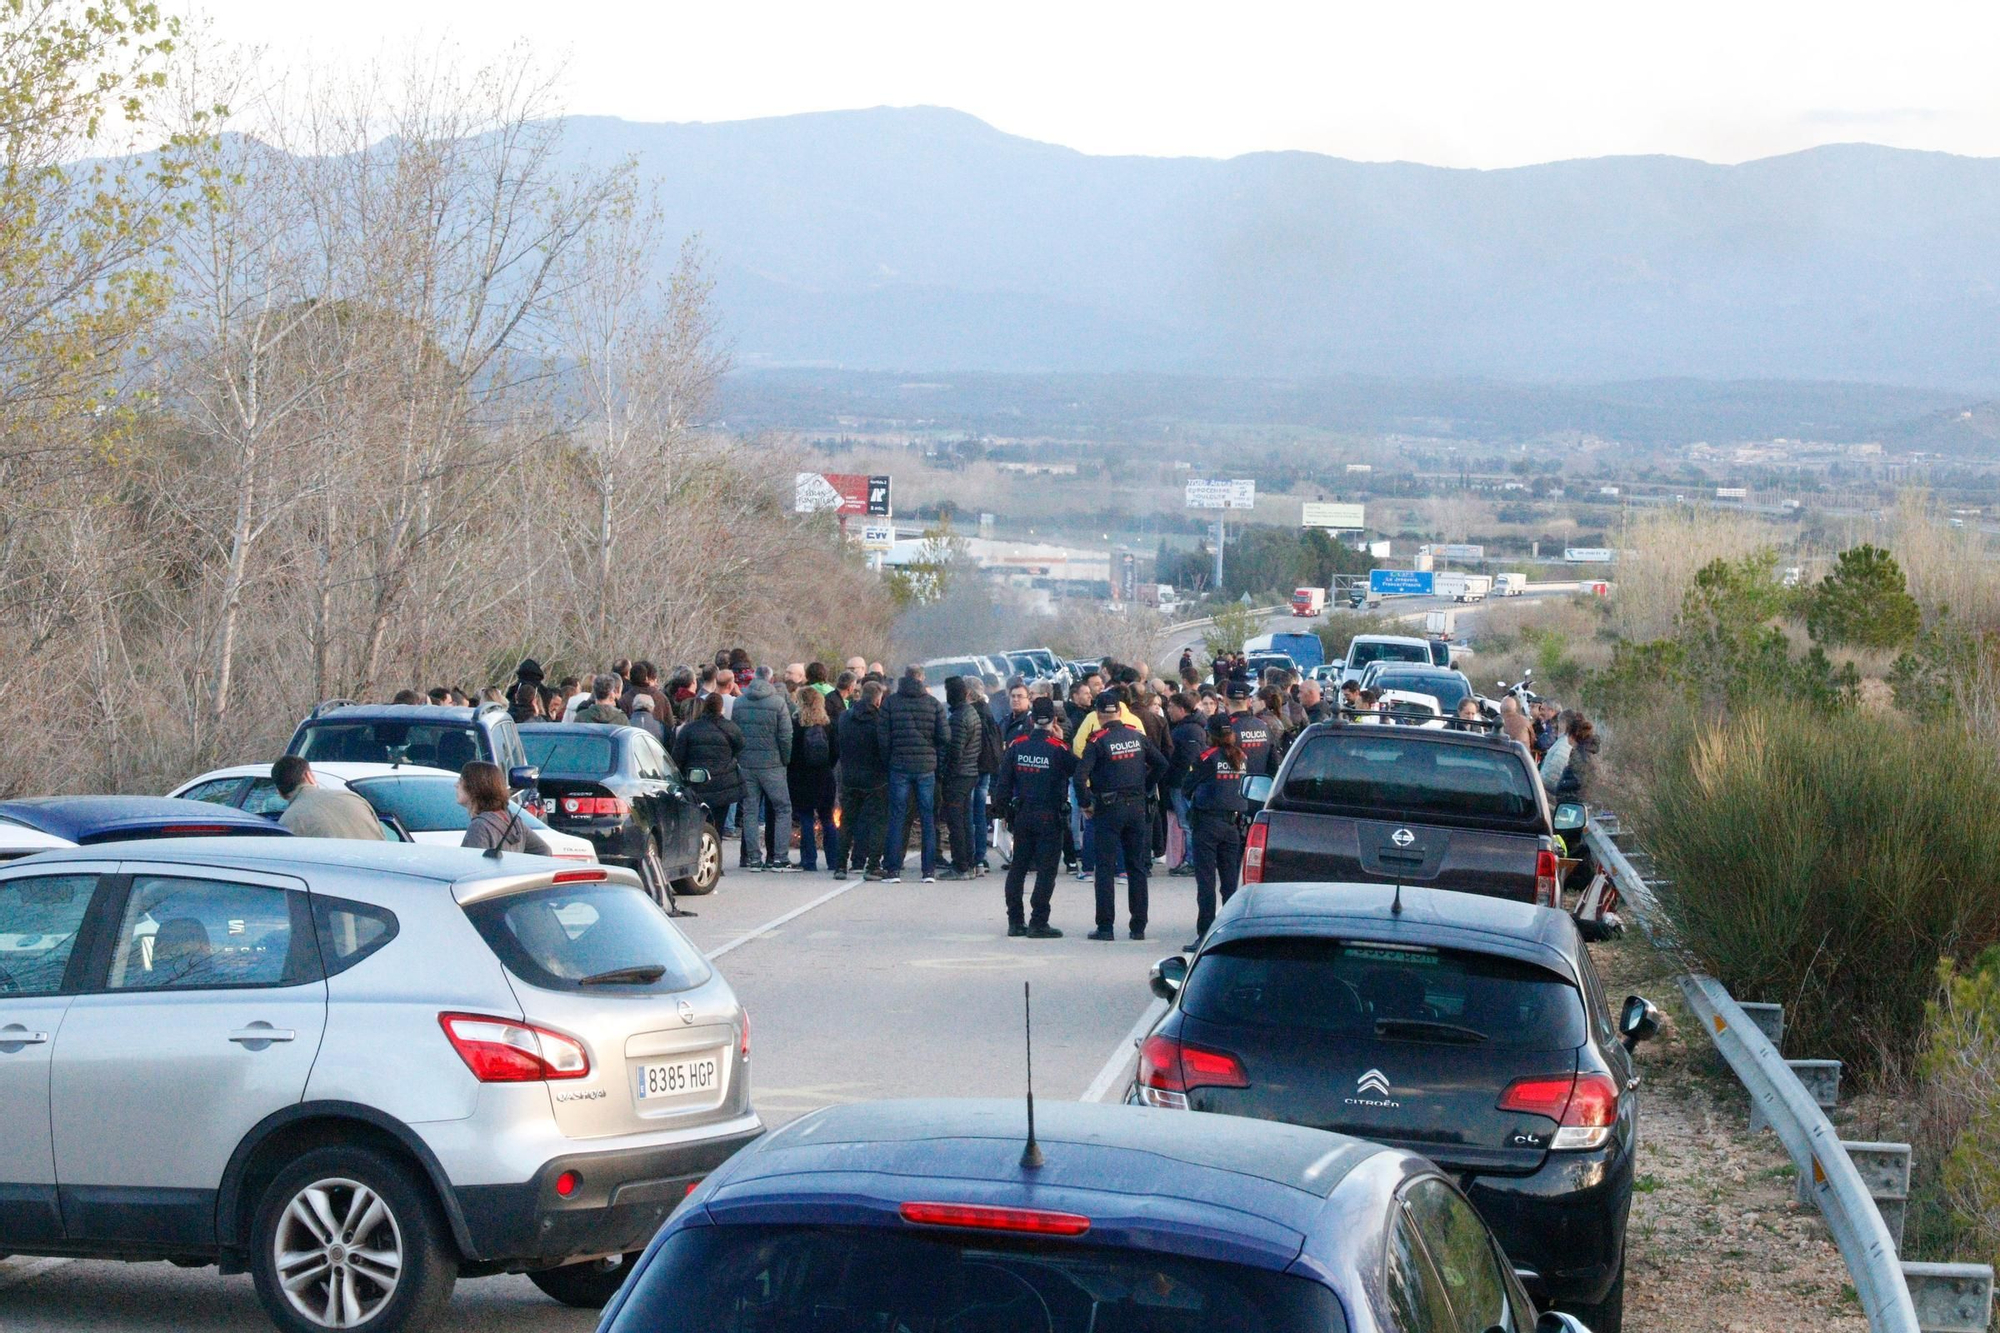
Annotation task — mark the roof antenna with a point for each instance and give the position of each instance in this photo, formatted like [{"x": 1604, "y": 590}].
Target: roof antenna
[
  {"x": 1396, "y": 906},
  {"x": 1031, "y": 1156}
]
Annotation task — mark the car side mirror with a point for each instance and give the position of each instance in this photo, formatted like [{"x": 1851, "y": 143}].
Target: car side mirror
[
  {"x": 1637, "y": 1021},
  {"x": 696, "y": 776},
  {"x": 1554, "y": 1321},
  {"x": 1569, "y": 817},
  {"x": 1168, "y": 975},
  {"x": 526, "y": 777},
  {"x": 1257, "y": 789}
]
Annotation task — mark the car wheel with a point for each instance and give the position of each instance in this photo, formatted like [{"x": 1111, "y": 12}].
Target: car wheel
[
  {"x": 1607, "y": 1315},
  {"x": 707, "y": 865},
  {"x": 585, "y": 1286},
  {"x": 346, "y": 1238}
]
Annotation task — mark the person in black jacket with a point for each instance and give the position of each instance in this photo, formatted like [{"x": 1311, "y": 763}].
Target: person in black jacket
[
  {"x": 809, "y": 775},
  {"x": 1118, "y": 767},
  {"x": 1253, "y": 732},
  {"x": 1031, "y": 792},
  {"x": 958, "y": 774},
  {"x": 711, "y": 741},
  {"x": 864, "y": 785},
  {"x": 1216, "y": 808},
  {"x": 915, "y": 739},
  {"x": 1187, "y": 740}
]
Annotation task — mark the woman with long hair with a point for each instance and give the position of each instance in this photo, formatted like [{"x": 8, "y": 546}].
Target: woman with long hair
[
  {"x": 1216, "y": 811},
  {"x": 482, "y": 790},
  {"x": 815, "y": 751}
]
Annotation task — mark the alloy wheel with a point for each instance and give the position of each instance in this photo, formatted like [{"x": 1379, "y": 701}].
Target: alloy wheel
[{"x": 338, "y": 1253}]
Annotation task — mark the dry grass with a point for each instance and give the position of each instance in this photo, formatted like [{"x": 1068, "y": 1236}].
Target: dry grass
[
  {"x": 1948, "y": 568},
  {"x": 1664, "y": 549}
]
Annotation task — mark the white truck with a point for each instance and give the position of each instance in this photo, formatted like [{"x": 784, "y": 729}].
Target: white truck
[
  {"x": 1449, "y": 584},
  {"x": 1440, "y": 624},
  {"x": 1475, "y": 588},
  {"x": 1509, "y": 585}
]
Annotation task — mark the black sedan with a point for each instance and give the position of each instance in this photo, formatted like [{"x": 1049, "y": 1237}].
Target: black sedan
[
  {"x": 617, "y": 787},
  {"x": 1470, "y": 1029}
]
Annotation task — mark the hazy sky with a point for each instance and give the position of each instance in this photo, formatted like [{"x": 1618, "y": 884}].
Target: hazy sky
[{"x": 1459, "y": 84}]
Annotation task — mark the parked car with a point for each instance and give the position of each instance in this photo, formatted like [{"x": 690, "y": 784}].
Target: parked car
[
  {"x": 922, "y": 1215},
  {"x": 82, "y": 821},
  {"x": 617, "y": 788},
  {"x": 1468, "y": 1029},
  {"x": 367, "y": 1069},
  {"x": 1037, "y": 664},
  {"x": 1441, "y": 808},
  {"x": 423, "y": 735},
  {"x": 420, "y": 803},
  {"x": 1365, "y": 648},
  {"x": 1448, "y": 687}
]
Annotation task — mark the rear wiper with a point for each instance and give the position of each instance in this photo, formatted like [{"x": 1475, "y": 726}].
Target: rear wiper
[
  {"x": 1425, "y": 1027},
  {"x": 643, "y": 975}
]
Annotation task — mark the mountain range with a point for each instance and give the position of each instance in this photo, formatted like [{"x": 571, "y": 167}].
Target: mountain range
[{"x": 908, "y": 239}]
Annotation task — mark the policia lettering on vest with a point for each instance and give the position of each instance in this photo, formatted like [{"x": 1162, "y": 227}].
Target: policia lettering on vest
[
  {"x": 1119, "y": 767},
  {"x": 1031, "y": 792}
]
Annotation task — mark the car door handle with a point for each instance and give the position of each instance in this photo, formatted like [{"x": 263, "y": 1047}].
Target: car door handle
[
  {"x": 17, "y": 1036},
  {"x": 251, "y": 1034}
]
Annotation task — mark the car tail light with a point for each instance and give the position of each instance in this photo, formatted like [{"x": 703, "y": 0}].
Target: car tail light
[
  {"x": 596, "y": 807},
  {"x": 506, "y": 1050},
  {"x": 983, "y": 1217},
  {"x": 1253, "y": 852},
  {"x": 1169, "y": 1070},
  {"x": 579, "y": 877},
  {"x": 743, "y": 1044},
  {"x": 1546, "y": 875},
  {"x": 566, "y": 1184},
  {"x": 1584, "y": 1106}
]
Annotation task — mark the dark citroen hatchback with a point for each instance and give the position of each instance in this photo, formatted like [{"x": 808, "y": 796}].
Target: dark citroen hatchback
[{"x": 1470, "y": 1029}]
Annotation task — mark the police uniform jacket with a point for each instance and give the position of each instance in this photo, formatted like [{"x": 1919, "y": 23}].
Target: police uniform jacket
[{"x": 1034, "y": 773}]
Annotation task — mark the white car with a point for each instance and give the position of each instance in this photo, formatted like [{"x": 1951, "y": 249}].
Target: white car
[
  {"x": 18, "y": 840},
  {"x": 423, "y": 799}
]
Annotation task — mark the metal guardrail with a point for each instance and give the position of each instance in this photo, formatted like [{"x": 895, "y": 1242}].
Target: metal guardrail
[{"x": 1897, "y": 1297}]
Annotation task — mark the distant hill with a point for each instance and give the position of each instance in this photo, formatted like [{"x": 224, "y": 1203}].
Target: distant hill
[{"x": 910, "y": 239}]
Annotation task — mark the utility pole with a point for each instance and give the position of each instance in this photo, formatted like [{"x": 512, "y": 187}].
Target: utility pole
[{"x": 1221, "y": 534}]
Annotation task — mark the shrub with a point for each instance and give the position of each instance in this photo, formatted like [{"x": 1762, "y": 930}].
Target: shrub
[
  {"x": 1865, "y": 602},
  {"x": 1827, "y": 861},
  {"x": 1956, "y": 1202}
]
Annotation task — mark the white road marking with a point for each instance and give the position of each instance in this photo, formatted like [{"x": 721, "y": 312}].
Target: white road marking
[
  {"x": 792, "y": 915},
  {"x": 1114, "y": 1068},
  {"x": 11, "y": 1276}
]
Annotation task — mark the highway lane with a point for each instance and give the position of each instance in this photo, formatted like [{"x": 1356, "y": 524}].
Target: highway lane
[{"x": 855, "y": 991}]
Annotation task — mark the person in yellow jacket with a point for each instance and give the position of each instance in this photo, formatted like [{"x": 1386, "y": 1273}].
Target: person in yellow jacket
[{"x": 1088, "y": 727}]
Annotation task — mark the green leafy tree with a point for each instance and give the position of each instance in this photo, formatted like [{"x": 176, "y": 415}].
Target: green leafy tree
[
  {"x": 1233, "y": 625},
  {"x": 1864, "y": 602}
]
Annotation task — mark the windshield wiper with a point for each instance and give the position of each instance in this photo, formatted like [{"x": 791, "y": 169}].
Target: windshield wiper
[
  {"x": 1425, "y": 1027},
  {"x": 642, "y": 975}
]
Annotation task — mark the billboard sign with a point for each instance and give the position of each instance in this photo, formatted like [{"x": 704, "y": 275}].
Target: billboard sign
[
  {"x": 878, "y": 536},
  {"x": 1210, "y": 494},
  {"x": 1401, "y": 582},
  {"x": 1345, "y": 517},
  {"x": 1128, "y": 577},
  {"x": 1589, "y": 555},
  {"x": 1379, "y": 550},
  {"x": 1459, "y": 551},
  {"x": 840, "y": 493},
  {"x": 1732, "y": 492}
]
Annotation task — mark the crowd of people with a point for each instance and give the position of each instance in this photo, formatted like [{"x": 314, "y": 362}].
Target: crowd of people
[{"x": 1103, "y": 776}]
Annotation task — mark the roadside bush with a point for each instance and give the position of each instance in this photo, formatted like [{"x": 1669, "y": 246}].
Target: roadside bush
[
  {"x": 1865, "y": 602},
  {"x": 1956, "y": 1196},
  {"x": 1827, "y": 861}
]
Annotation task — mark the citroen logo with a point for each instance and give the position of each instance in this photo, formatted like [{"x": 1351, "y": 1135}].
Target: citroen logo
[
  {"x": 687, "y": 1012},
  {"x": 1374, "y": 1081},
  {"x": 1402, "y": 837}
]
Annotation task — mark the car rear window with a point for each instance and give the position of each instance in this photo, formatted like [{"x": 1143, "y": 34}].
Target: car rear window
[
  {"x": 777, "y": 1279},
  {"x": 562, "y": 937},
  {"x": 1357, "y": 987},
  {"x": 1361, "y": 654},
  {"x": 448, "y": 745},
  {"x": 1372, "y": 768},
  {"x": 1449, "y": 691},
  {"x": 424, "y": 804},
  {"x": 556, "y": 751}
]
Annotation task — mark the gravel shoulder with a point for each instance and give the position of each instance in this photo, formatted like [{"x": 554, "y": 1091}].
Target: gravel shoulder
[{"x": 1718, "y": 1242}]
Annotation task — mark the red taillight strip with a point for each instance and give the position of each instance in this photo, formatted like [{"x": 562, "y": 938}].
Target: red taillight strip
[
  {"x": 984, "y": 1217},
  {"x": 579, "y": 877}
]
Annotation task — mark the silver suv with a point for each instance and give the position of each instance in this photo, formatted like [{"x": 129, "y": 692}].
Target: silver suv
[{"x": 357, "y": 1070}]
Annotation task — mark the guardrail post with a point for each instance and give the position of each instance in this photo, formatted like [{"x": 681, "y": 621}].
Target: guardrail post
[
  {"x": 1885, "y": 1170},
  {"x": 1769, "y": 1018},
  {"x": 1951, "y": 1298}
]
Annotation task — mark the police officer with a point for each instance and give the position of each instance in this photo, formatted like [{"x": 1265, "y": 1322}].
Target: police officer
[
  {"x": 1216, "y": 807},
  {"x": 1032, "y": 794},
  {"x": 1119, "y": 767},
  {"x": 1260, "y": 747}
]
